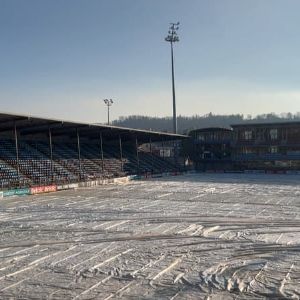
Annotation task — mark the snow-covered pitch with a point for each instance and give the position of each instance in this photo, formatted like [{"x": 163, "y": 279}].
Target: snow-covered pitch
[{"x": 205, "y": 236}]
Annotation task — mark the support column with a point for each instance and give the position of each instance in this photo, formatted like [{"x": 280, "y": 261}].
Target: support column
[
  {"x": 137, "y": 155},
  {"x": 79, "y": 154},
  {"x": 150, "y": 144},
  {"x": 51, "y": 154},
  {"x": 121, "y": 153},
  {"x": 17, "y": 151},
  {"x": 101, "y": 152},
  {"x": 175, "y": 155},
  {"x": 163, "y": 154}
]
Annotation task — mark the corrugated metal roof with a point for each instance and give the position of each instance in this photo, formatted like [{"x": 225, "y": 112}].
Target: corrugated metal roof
[{"x": 29, "y": 125}]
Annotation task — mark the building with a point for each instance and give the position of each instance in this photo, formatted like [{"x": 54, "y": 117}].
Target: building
[
  {"x": 210, "y": 148},
  {"x": 260, "y": 146},
  {"x": 266, "y": 146}
]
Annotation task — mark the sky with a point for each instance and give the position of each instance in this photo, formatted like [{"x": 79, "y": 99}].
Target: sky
[{"x": 61, "y": 58}]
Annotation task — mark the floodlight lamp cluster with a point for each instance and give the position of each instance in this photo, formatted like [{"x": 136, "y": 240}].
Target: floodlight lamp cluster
[
  {"x": 172, "y": 33},
  {"x": 108, "y": 102}
]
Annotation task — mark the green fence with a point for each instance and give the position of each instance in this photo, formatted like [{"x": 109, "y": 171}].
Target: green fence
[{"x": 16, "y": 192}]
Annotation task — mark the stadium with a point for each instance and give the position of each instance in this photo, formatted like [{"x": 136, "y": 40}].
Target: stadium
[
  {"x": 203, "y": 204},
  {"x": 93, "y": 211},
  {"x": 39, "y": 153}
]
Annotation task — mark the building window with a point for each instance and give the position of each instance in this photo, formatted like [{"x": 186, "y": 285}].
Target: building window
[
  {"x": 248, "y": 135},
  {"x": 248, "y": 150},
  {"x": 273, "y": 134},
  {"x": 260, "y": 135},
  {"x": 273, "y": 149},
  {"x": 201, "y": 137}
]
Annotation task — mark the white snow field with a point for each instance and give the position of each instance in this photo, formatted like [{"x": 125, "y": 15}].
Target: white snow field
[{"x": 202, "y": 236}]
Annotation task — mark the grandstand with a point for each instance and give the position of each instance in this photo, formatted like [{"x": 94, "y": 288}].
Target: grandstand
[{"x": 38, "y": 151}]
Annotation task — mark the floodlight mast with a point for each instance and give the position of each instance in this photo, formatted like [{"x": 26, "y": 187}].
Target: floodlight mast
[
  {"x": 108, "y": 103},
  {"x": 172, "y": 38}
]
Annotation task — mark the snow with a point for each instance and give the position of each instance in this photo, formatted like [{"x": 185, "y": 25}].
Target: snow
[{"x": 201, "y": 236}]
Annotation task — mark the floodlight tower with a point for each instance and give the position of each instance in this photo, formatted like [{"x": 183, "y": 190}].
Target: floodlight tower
[
  {"x": 108, "y": 103},
  {"x": 172, "y": 38}
]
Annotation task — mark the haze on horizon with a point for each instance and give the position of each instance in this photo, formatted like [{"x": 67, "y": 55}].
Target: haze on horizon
[{"x": 61, "y": 58}]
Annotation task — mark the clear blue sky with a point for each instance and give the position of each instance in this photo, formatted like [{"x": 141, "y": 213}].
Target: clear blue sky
[{"x": 61, "y": 58}]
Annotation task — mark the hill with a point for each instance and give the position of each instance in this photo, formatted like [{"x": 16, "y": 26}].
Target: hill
[{"x": 186, "y": 123}]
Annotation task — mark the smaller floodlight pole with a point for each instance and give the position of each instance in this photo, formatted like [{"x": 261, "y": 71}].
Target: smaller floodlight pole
[
  {"x": 108, "y": 103},
  {"x": 172, "y": 38}
]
